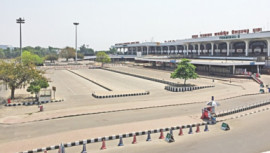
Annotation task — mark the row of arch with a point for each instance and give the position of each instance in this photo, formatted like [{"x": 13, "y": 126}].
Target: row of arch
[{"x": 257, "y": 47}]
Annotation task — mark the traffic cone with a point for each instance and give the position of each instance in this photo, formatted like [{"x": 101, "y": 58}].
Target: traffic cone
[
  {"x": 171, "y": 131},
  {"x": 206, "y": 128},
  {"x": 198, "y": 128},
  {"x": 84, "y": 149},
  {"x": 161, "y": 134},
  {"x": 103, "y": 145},
  {"x": 134, "y": 139},
  {"x": 190, "y": 130},
  {"x": 121, "y": 142},
  {"x": 148, "y": 136},
  {"x": 180, "y": 131}
]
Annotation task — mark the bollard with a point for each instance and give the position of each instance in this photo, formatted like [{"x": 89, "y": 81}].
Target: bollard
[
  {"x": 206, "y": 128},
  {"x": 180, "y": 131},
  {"x": 103, "y": 144},
  {"x": 134, "y": 139},
  {"x": 84, "y": 148},
  {"x": 161, "y": 134},
  {"x": 121, "y": 142},
  {"x": 148, "y": 136},
  {"x": 171, "y": 131},
  {"x": 190, "y": 130},
  {"x": 198, "y": 128}
]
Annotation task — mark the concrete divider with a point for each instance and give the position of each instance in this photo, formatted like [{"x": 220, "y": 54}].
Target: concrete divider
[
  {"x": 114, "y": 137},
  {"x": 244, "y": 108},
  {"x": 33, "y": 103},
  {"x": 182, "y": 89},
  {"x": 114, "y": 94}
]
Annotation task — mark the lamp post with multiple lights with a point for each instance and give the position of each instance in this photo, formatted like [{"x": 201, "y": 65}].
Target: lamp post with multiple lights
[
  {"x": 76, "y": 24},
  {"x": 20, "y": 21}
]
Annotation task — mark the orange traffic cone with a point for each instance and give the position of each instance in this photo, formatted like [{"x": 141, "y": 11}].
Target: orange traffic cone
[
  {"x": 103, "y": 145},
  {"x": 161, "y": 134},
  {"x": 134, "y": 139},
  {"x": 180, "y": 131},
  {"x": 198, "y": 128}
]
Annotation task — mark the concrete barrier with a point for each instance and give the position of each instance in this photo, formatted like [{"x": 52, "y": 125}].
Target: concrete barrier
[
  {"x": 114, "y": 137},
  {"x": 183, "y": 89},
  {"x": 32, "y": 103},
  {"x": 111, "y": 95}
]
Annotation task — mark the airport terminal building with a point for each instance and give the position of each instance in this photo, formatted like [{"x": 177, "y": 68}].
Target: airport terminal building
[{"x": 238, "y": 45}]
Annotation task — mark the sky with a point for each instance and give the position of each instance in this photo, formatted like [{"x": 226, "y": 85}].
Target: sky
[{"x": 102, "y": 23}]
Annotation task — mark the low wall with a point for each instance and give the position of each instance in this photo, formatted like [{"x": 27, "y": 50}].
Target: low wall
[
  {"x": 32, "y": 103},
  {"x": 183, "y": 89},
  {"x": 116, "y": 95}
]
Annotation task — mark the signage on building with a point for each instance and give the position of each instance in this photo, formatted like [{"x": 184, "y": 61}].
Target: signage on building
[{"x": 230, "y": 37}]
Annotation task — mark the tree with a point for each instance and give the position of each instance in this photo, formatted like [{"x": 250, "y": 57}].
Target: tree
[
  {"x": 17, "y": 75},
  {"x": 79, "y": 55},
  {"x": 51, "y": 57},
  {"x": 29, "y": 58},
  {"x": 67, "y": 53},
  {"x": 185, "y": 70},
  {"x": 2, "y": 53},
  {"x": 103, "y": 58},
  {"x": 86, "y": 51},
  {"x": 38, "y": 83}
]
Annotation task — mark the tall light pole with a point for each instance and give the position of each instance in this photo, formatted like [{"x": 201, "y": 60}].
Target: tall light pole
[
  {"x": 20, "y": 21},
  {"x": 76, "y": 23}
]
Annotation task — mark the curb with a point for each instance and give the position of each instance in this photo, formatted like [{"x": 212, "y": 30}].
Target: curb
[
  {"x": 90, "y": 80},
  {"x": 143, "y": 77},
  {"x": 252, "y": 106},
  {"x": 120, "y": 95},
  {"x": 33, "y": 103},
  {"x": 183, "y": 89}
]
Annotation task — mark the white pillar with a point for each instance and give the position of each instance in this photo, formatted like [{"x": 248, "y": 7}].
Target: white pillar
[
  {"x": 258, "y": 69},
  {"x": 161, "y": 49},
  {"x": 268, "y": 47},
  {"x": 233, "y": 69},
  {"x": 212, "y": 49},
  {"x": 175, "y": 49},
  {"x": 247, "y": 47},
  {"x": 168, "y": 50},
  {"x": 187, "y": 48},
  {"x": 199, "y": 49},
  {"x": 228, "y": 48},
  {"x": 194, "y": 46}
]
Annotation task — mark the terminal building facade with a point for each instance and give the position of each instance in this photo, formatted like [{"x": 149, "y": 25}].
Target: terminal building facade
[
  {"x": 242, "y": 45},
  {"x": 238, "y": 43}
]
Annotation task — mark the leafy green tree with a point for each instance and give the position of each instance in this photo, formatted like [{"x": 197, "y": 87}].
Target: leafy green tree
[
  {"x": 38, "y": 83},
  {"x": 185, "y": 70},
  {"x": 103, "y": 58},
  {"x": 113, "y": 51},
  {"x": 31, "y": 59},
  {"x": 79, "y": 55},
  {"x": 51, "y": 57},
  {"x": 17, "y": 75},
  {"x": 86, "y": 51},
  {"x": 2, "y": 53},
  {"x": 67, "y": 53}
]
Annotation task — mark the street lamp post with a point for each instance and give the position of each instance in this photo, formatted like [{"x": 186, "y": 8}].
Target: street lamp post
[
  {"x": 20, "y": 21},
  {"x": 76, "y": 23}
]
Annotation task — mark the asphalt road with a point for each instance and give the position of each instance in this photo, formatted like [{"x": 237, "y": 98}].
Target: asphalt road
[
  {"x": 34, "y": 129},
  {"x": 248, "y": 134}
]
